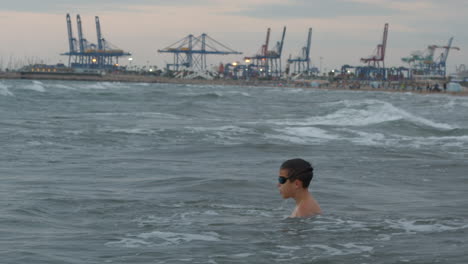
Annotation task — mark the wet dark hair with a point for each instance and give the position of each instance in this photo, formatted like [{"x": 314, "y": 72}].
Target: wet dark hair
[{"x": 299, "y": 169}]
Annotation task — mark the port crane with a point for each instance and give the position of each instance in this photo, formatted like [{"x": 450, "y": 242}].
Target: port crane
[
  {"x": 379, "y": 55},
  {"x": 86, "y": 55},
  {"x": 301, "y": 64},
  {"x": 267, "y": 62},
  {"x": 427, "y": 64},
  {"x": 191, "y": 52}
]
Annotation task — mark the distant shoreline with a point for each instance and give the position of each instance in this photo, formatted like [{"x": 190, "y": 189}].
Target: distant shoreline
[{"x": 348, "y": 86}]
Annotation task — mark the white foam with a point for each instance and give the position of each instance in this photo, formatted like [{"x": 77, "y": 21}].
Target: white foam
[
  {"x": 131, "y": 131},
  {"x": 128, "y": 243},
  {"x": 358, "y": 248},
  {"x": 63, "y": 86},
  {"x": 369, "y": 139},
  {"x": 288, "y": 90},
  {"x": 210, "y": 212},
  {"x": 383, "y": 237},
  {"x": 238, "y": 93},
  {"x": 226, "y": 135},
  {"x": 35, "y": 86},
  {"x": 176, "y": 238},
  {"x": 338, "y": 225},
  {"x": 427, "y": 226},
  {"x": 151, "y": 220},
  {"x": 368, "y": 112},
  {"x": 394, "y": 140},
  {"x": 102, "y": 86},
  {"x": 342, "y": 249},
  {"x": 302, "y": 135},
  {"x": 4, "y": 90},
  {"x": 330, "y": 251},
  {"x": 230, "y": 206},
  {"x": 289, "y": 247},
  {"x": 242, "y": 255},
  {"x": 230, "y": 129},
  {"x": 286, "y": 138},
  {"x": 258, "y": 213},
  {"x": 137, "y": 114}
]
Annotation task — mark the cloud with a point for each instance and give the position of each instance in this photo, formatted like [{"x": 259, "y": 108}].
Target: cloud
[
  {"x": 60, "y": 6},
  {"x": 316, "y": 9}
]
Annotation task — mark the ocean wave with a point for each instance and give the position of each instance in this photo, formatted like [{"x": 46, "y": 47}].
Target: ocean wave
[
  {"x": 224, "y": 135},
  {"x": 228, "y": 129},
  {"x": 62, "y": 86},
  {"x": 160, "y": 238},
  {"x": 35, "y": 86},
  {"x": 301, "y": 135},
  {"x": 5, "y": 91},
  {"x": 341, "y": 249},
  {"x": 395, "y": 140},
  {"x": 213, "y": 94},
  {"x": 364, "y": 113},
  {"x": 135, "y": 114},
  {"x": 102, "y": 86},
  {"x": 131, "y": 131},
  {"x": 129, "y": 243},
  {"x": 176, "y": 238},
  {"x": 425, "y": 225}
]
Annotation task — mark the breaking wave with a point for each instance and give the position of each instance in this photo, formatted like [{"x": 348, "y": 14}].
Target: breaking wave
[
  {"x": 4, "y": 90},
  {"x": 35, "y": 86},
  {"x": 365, "y": 113}
]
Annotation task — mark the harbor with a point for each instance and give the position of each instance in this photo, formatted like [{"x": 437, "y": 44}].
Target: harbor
[
  {"x": 176, "y": 132},
  {"x": 423, "y": 71},
  {"x": 421, "y": 87}
]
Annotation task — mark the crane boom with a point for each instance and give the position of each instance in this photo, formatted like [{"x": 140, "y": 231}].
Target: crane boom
[
  {"x": 379, "y": 56},
  {"x": 309, "y": 41},
  {"x": 80, "y": 34},
  {"x": 447, "y": 49},
  {"x": 71, "y": 40},
  {"x": 282, "y": 42},
  {"x": 99, "y": 35},
  {"x": 267, "y": 41},
  {"x": 384, "y": 41}
]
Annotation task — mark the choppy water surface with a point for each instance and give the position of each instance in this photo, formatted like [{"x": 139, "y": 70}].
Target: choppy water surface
[{"x": 157, "y": 173}]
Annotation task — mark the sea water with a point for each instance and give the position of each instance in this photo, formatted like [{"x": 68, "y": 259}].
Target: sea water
[{"x": 164, "y": 173}]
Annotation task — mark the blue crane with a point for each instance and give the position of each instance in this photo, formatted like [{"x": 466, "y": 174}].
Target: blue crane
[
  {"x": 301, "y": 64},
  {"x": 103, "y": 56},
  {"x": 190, "y": 52},
  {"x": 268, "y": 62}
]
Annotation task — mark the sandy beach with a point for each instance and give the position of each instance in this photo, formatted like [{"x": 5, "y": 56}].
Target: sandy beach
[{"x": 316, "y": 84}]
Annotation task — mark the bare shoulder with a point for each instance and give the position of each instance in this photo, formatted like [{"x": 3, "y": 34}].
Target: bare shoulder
[{"x": 308, "y": 208}]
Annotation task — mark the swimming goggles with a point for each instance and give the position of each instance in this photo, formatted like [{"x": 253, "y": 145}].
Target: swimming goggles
[{"x": 282, "y": 180}]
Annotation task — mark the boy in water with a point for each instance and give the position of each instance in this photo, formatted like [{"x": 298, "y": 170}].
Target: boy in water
[{"x": 293, "y": 182}]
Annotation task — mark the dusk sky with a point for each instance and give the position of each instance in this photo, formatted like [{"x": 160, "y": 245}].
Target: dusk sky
[{"x": 343, "y": 30}]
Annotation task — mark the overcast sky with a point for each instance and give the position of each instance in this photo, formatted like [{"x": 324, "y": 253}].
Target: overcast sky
[{"x": 343, "y": 30}]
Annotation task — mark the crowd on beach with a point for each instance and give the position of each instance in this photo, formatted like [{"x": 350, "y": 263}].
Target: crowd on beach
[{"x": 430, "y": 86}]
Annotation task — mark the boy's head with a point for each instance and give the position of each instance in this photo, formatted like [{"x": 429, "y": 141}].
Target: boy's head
[{"x": 298, "y": 169}]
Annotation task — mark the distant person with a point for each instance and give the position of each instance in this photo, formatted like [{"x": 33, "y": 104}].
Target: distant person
[{"x": 293, "y": 182}]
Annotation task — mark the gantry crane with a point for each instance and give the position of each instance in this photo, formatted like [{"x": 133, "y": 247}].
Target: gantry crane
[
  {"x": 190, "y": 52},
  {"x": 87, "y": 55},
  {"x": 379, "y": 55},
  {"x": 425, "y": 62},
  {"x": 267, "y": 62},
  {"x": 301, "y": 64}
]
